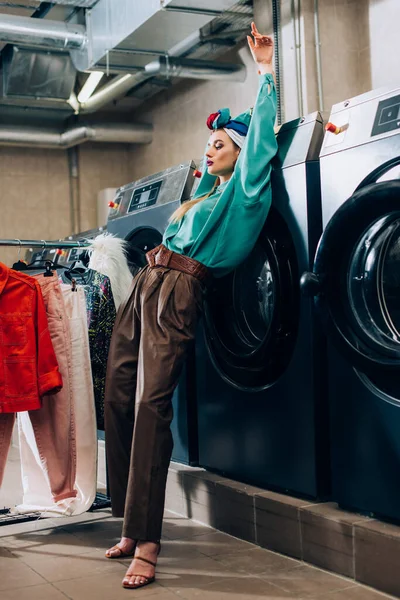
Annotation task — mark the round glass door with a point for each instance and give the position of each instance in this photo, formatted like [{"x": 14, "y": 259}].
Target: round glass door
[
  {"x": 358, "y": 268},
  {"x": 251, "y": 315},
  {"x": 374, "y": 284}
]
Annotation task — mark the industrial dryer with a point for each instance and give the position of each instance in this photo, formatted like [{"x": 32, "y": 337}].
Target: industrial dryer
[
  {"x": 356, "y": 283},
  {"x": 260, "y": 363}
]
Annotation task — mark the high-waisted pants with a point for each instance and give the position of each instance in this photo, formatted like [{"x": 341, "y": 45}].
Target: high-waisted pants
[{"x": 153, "y": 332}]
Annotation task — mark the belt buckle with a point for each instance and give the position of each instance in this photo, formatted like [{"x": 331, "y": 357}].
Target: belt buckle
[
  {"x": 163, "y": 256},
  {"x": 151, "y": 256}
]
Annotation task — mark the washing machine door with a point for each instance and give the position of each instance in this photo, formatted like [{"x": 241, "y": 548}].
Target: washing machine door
[
  {"x": 140, "y": 241},
  {"x": 251, "y": 316},
  {"x": 356, "y": 278}
]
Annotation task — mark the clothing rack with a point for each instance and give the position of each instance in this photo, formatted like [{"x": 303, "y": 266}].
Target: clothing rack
[
  {"x": 101, "y": 501},
  {"x": 60, "y": 244}
]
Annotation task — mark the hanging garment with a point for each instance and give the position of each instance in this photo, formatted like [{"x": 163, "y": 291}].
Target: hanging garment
[
  {"x": 36, "y": 493},
  {"x": 101, "y": 315},
  {"x": 108, "y": 256},
  {"x": 29, "y": 366},
  {"x": 7, "y": 421},
  {"x": 56, "y": 419}
]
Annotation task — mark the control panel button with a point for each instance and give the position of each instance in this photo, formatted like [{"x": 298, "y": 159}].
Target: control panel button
[
  {"x": 332, "y": 128},
  {"x": 197, "y": 173},
  {"x": 113, "y": 205}
]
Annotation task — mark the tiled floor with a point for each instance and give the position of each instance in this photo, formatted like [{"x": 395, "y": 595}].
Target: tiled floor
[
  {"x": 64, "y": 558},
  {"x": 55, "y": 559}
]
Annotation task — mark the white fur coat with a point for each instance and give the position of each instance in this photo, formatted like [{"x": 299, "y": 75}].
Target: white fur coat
[{"x": 108, "y": 256}]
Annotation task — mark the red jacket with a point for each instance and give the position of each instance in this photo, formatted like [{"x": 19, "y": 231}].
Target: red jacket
[{"x": 28, "y": 365}]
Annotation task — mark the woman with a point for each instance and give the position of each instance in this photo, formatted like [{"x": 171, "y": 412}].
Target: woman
[{"x": 207, "y": 236}]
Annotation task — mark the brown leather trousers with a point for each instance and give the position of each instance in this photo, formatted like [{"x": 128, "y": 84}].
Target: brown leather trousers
[{"x": 152, "y": 335}]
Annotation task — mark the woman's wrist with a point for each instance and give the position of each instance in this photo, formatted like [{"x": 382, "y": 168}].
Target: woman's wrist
[{"x": 264, "y": 68}]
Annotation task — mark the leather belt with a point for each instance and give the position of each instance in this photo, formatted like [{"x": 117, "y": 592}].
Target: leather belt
[{"x": 163, "y": 257}]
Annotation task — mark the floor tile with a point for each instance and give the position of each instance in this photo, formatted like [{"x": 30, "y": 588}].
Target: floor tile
[
  {"x": 235, "y": 587},
  {"x": 107, "y": 588},
  {"x": 257, "y": 561},
  {"x": 183, "y": 528},
  {"x": 309, "y": 581},
  {"x": 356, "y": 592},
  {"x": 28, "y": 526},
  {"x": 214, "y": 543},
  {"x": 14, "y": 574},
  {"x": 190, "y": 572},
  {"x": 37, "y": 592},
  {"x": 58, "y": 568},
  {"x": 49, "y": 542}
]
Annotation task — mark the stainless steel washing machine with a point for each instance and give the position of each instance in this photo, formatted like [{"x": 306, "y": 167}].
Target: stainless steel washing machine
[
  {"x": 356, "y": 283},
  {"x": 261, "y": 365}
]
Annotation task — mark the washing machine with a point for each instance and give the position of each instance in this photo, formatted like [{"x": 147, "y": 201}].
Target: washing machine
[
  {"x": 139, "y": 214},
  {"x": 260, "y": 360},
  {"x": 70, "y": 256},
  {"x": 356, "y": 283}
]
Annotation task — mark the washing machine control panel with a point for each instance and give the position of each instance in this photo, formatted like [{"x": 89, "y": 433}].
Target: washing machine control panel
[
  {"x": 170, "y": 185},
  {"x": 144, "y": 196},
  {"x": 387, "y": 116}
]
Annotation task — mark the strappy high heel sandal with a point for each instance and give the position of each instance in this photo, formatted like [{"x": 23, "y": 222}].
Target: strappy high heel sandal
[
  {"x": 147, "y": 580},
  {"x": 122, "y": 553}
]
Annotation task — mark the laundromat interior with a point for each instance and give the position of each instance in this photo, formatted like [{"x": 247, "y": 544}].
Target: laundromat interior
[{"x": 285, "y": 472}]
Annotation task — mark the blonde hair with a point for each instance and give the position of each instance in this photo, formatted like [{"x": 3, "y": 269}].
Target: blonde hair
[{"x": 183, "y": 209}]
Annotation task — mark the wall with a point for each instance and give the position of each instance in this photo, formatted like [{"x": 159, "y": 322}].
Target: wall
[
  {"x": 34, "y": 190},
  {"x": 384, "y": 49},
  {"x": 179, "y": 117}
]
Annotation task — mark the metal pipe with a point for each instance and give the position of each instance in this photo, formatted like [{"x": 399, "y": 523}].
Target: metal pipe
[
  {"x": 276, "y": 19},
  {"x": 117, "y": 88},
  {"x": 102, "y": 132},
  {"x": 166, "y": 67},
  {"x": 318, "y": 56},
  {"x": 297, "y": 44},
  {"x": 74, "y": 195},
  {"x": 43, "y": 244},
  {"x": 40, "y": 32},
  {"x": 196, "y": 69}
]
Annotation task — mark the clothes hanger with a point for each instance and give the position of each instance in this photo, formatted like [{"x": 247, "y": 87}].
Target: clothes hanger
[{"x": 20, "y": 265}]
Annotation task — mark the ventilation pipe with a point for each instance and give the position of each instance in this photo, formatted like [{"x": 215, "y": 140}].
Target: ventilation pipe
[
  {"x": 105, "y": 133},
  {"x": 165, "y": 67},
  {"x": 40, "y": 32}
]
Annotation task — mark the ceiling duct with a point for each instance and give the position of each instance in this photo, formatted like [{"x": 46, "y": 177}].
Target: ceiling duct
[
  {"x": 156, "y": 25},
  {"x": 41, "y": 32},
  {"x": 50, "y": 138},
  {"x": 77, "y": 3},
  {"x": 37, "y": 74}
]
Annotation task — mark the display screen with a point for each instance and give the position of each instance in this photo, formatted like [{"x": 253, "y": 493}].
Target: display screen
[
  {"x": 144, "y": 196},
  {"x": 73, "y": 255},
  {"x": 387, "y": 116}
]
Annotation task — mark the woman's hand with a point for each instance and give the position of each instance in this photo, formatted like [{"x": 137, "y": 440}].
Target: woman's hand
[{"x": 262, "y": 50}]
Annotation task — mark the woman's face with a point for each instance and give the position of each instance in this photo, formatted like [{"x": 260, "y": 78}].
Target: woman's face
[{"x": 222, "y": 154}]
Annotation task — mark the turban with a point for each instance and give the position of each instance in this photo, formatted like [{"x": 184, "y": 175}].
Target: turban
[{"x": 236, "y": 128}]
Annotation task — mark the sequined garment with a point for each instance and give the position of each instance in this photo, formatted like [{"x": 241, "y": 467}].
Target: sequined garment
[{"x": 100, "y": 317}]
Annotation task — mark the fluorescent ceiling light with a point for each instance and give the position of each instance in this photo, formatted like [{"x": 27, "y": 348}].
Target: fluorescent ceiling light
[{"x": 90, "y": 85}]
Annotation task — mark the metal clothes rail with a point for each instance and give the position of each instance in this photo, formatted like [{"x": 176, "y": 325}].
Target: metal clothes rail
[
  {"x": 61, "y": 244},
  {"x": 101, "y": 501}
]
